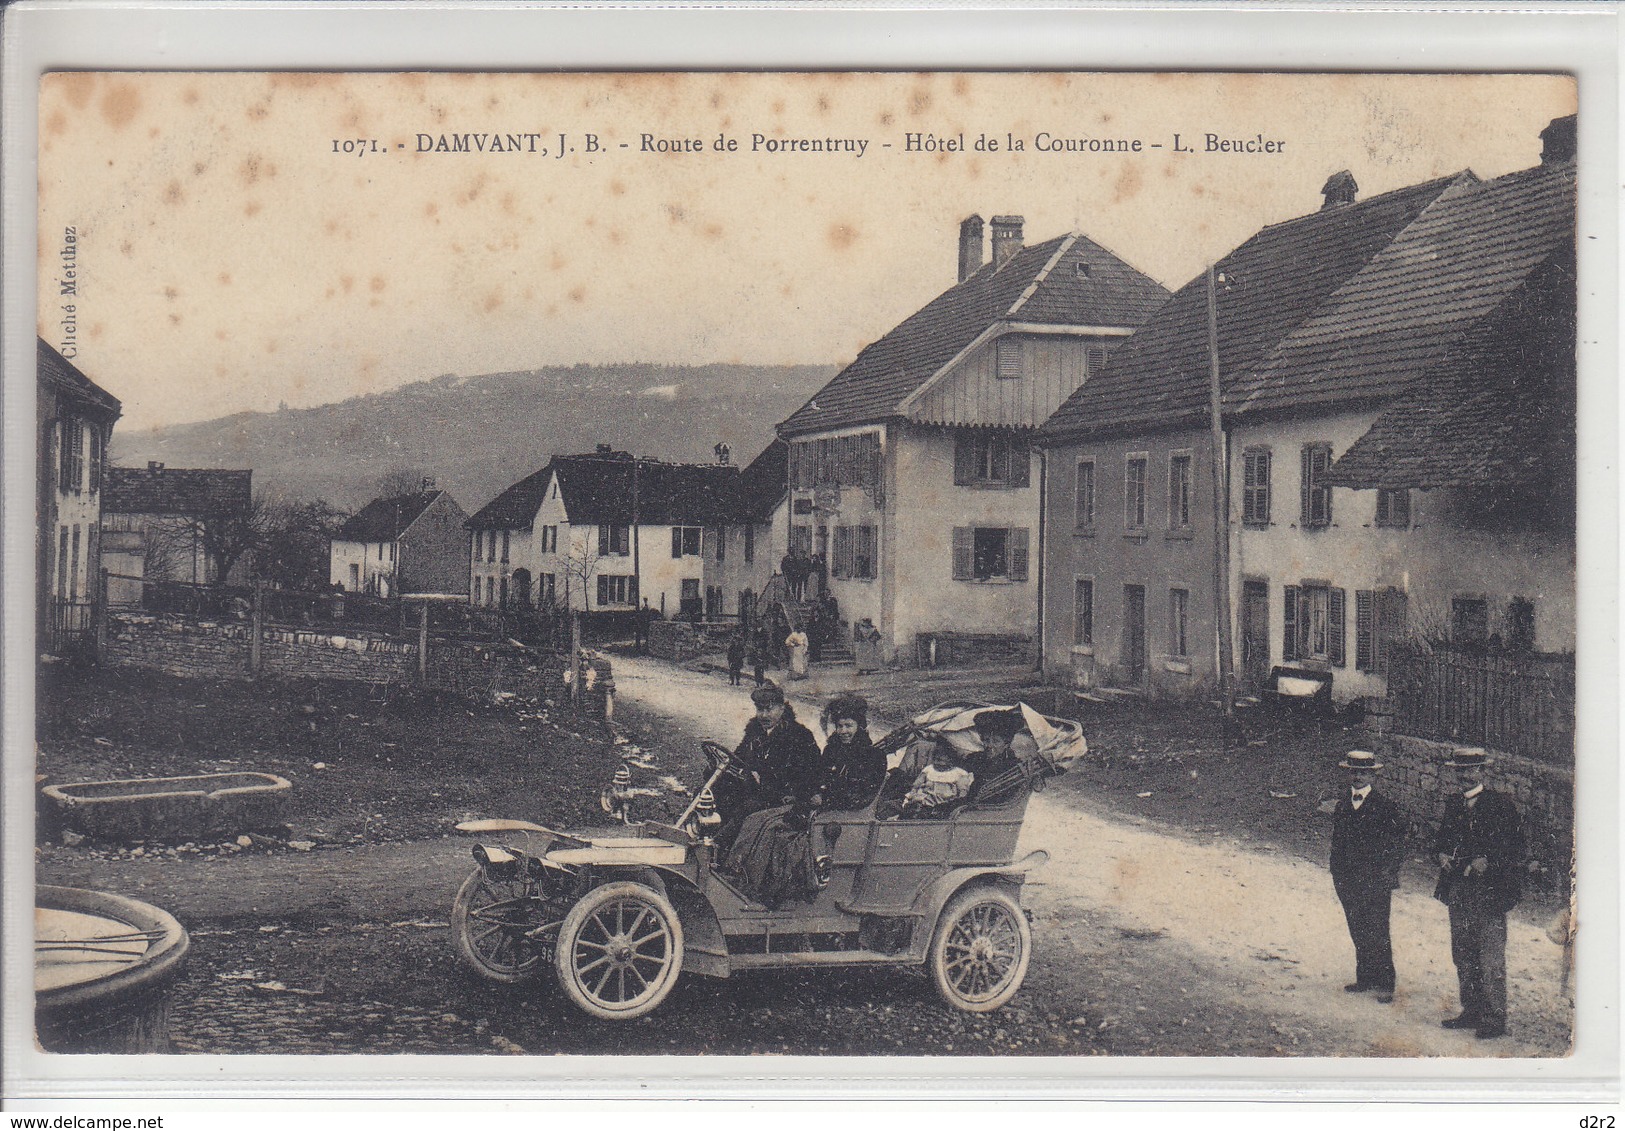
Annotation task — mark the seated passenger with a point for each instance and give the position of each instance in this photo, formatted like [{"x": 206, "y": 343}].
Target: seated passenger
[
  {"x": 938, "y": 786},
  {"x": 778, "y": 761},
  {"x": 1006, "y": 748},
  {"x": 853, "y": 768}
]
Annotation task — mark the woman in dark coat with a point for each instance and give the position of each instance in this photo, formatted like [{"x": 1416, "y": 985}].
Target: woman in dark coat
[{"x": 854, "y": 770}]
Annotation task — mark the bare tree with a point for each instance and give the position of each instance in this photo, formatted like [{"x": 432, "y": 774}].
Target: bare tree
[
  {"x": 579, "y": 567},
  {"x": 165, "y": 550},
  {"x": 297, "y": 534}
]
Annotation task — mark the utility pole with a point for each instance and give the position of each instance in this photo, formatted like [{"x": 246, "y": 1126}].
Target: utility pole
[{"x": 1221, "y": 510}]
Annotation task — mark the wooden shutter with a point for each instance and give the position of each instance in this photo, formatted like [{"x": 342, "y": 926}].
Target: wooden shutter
[
  {"x": 1017, "y": 539},
  {"x": 1021, "y": 473},
  {"x": 1365, "y": 651},
  {"x": 1289, "y": 624},
  {"x": 964, "y": 548},
  {"x": 964, "y": 459},
  {"x": 677, "y": 541},
  {"x": 1336, "y": 630},
  {"x": 1306, "y": 477}
]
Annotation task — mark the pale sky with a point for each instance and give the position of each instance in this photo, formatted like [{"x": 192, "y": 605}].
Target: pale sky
[{"x": 229, "y": 260}]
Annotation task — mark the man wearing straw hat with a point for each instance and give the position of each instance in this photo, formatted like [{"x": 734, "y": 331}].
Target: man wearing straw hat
[
  {"x": 1368, "y": 847},
  {"x": 1480, "y": 849}
]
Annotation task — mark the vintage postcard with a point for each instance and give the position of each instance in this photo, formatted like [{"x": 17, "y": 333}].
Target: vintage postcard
[{"x": 855, "y": 564}]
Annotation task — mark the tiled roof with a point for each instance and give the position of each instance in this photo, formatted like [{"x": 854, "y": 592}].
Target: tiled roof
[
  {"x": 384, "y": 520},
  {"x": 1159, "y": 377},
  {"x": 190, "y": 491},
  {"x": 1497, "y": 410},
  {"x": 1040, "y": 284},
  {"x": 61, "y": 373},
  {"x": 600, "y": 489},
  {"x": 1458, "y": 260},
  {"x": 763, "y": 483}
]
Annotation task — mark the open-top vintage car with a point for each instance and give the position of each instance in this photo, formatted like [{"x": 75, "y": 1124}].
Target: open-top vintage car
[{"x": 619, "y": 913}]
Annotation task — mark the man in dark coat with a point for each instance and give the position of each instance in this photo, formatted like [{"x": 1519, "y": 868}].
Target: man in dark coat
[
  {"x": 1480, "y": 849},
  {"x": 1368, "y": 847},
  {"x": 778, "y": 758}
]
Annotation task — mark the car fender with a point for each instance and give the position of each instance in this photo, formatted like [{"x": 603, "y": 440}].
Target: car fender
[
  {"x": 705, "y": 950},
  {"x": 931, "y": 900}
]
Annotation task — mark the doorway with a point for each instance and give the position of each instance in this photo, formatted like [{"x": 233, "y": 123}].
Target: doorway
[
  {"x": 1134, "y": 657},
  {"x": 1255, "y": 634}
]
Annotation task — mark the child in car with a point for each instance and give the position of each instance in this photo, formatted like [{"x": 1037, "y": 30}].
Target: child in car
[{"x": 938, "y": 785}]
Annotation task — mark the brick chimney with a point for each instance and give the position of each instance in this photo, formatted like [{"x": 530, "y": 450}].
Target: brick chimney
[
  {"x": 970, "y": 246},
  {"x": 1558, "y": 141},
  {"x": 1006, "y": 239},
  {"x": 1340, "y": 188}
]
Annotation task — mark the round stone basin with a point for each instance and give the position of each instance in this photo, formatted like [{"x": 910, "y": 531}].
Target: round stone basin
[
  {"x": 103, "y": 965},
  {"x": 171, "y": 809}
]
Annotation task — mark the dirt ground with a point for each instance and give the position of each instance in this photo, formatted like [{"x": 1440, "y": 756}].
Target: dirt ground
[{"x": 1166, "y": 925}]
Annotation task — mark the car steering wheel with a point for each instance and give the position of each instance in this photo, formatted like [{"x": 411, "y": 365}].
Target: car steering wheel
[{"x": 716, "y": 755}]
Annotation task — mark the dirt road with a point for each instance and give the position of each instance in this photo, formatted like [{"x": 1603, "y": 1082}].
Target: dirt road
[{"x": 1257, "y": 933}]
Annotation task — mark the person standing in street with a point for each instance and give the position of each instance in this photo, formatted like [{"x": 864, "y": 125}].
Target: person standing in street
[
  {"x": 1480, "y": 849},
  {"x": 1368, "y": 847}
]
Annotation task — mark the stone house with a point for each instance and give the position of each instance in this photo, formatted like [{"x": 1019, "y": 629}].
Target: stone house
[
  {"x": 405, "y": 544},
  {"x": 911, "y": 471},
  {"x": 603, "y": 532},
  {"x": 1324, "y": 324},
  {"x": 175, "y": 524},
  {"x": 74, "y": 420}
]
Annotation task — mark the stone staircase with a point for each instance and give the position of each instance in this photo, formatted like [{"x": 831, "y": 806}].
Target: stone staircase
[{"x": 839, "y": 649}]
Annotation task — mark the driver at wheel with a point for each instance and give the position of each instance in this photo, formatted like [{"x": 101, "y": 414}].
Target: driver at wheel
[{"x": 778, "y": 758}]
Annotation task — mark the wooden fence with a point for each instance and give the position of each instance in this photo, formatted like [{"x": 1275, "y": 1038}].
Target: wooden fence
[{"x": 1518, "y": 703}]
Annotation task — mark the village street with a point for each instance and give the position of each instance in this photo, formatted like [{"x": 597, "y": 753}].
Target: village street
[{"x": 1149, "y": 940}]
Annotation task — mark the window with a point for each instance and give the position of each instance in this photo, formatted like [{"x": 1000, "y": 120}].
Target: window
[
  {"x": 1255, "y": 487},
  {"x": 617, "y": 590},
  {"x": 62, "y": 564},
  {"x": 1084, "y": 500},
  {"x": 722, "y": 543},
  {"x": 801, "y": 540},
  {"x": 1394, "y": 506},
  {"x": 1178, "y": 600},
  {"x": 550, "y": 539},
  {"x": 1316, "y": 508},
  {"x": 1134, "y": 492},
  {"x": 547, "y": 588},
  {"x": 70, "y": 469},
  {"x": 506, "y": 534},
  {"x": 490, "y": 591},
  {"x": 1469, "y": 621},
  {"x": 685, "y": 541},
  {"x": 990, "y": 553},
  {"x": 1179, "y": 492},
  {"x": 1095, "y": 353},
  {"x": 1520, "y": 634},
  {"x": 854, "y": 554},
  {"x": 750, "y": 542},
  {"x": 355, "y": 578},
  {"x": 1312, "y": 624},
  {"x": 1007, "y": 358},
  {"x": 1083, "y": 611},
  {"x": 844, "y": 461},
  {"x": 614, "y": 539},
  {"x": 73, "y": 569},
  {"x": 989, "y": 458},
  {"x": 1379, "y": 625},
  {"x": 490, "y": 545},
  {"x": 95, "y": 460}
]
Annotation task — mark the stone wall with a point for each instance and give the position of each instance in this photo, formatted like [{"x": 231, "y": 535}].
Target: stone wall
[
  {"x": 189, "y": 646},
  {"x": 679, "y": 641},
  {"x": 1415, "y": 776}
]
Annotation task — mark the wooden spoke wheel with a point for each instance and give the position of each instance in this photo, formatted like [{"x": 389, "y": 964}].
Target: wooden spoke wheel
[
  {"x": 491, "y": 921},
  {"x": 980, "y": 950},
  {"x": 620, "y": 951}
]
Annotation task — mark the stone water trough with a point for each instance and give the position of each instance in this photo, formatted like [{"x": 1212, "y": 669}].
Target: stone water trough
[
  {"x": 171, "y": 809},
  {"x": 103, "y": 968}
]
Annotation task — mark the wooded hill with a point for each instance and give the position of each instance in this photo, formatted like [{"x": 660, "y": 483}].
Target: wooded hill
[{"x": 476, "y": 435}]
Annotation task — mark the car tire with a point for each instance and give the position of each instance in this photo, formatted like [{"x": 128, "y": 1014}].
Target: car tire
[
  {"x": 619, "y": 951},
  {"x": 980, "y": 949},
  {"x": 495, "y": 952}
]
